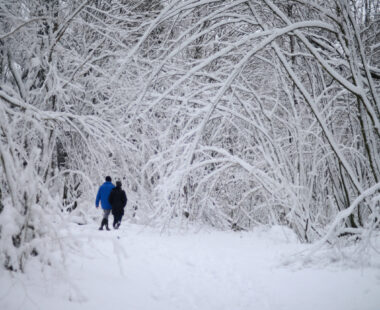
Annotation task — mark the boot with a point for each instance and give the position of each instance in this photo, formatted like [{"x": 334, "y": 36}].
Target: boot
[
  {"x": 106, "y": 223},
  {"x": 102, "y": 224}
]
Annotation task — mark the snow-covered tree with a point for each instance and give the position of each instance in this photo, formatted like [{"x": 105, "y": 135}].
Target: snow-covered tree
[
  {"x": 233, "y": 113},
  {"x": 59, "y": 107},
  {"x": 268, "y": 112}
]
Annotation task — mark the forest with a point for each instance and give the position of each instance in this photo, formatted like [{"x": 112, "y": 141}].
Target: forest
[{"x": 228, "y": 113}]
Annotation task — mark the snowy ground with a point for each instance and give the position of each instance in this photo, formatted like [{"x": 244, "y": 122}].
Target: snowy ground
[{"x": 137, "y": 268}]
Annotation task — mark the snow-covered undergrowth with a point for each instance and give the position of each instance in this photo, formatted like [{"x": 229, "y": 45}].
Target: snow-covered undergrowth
[{"x": 140, "y": 268}]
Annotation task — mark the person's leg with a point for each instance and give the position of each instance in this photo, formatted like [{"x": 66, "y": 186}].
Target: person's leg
[
  {"x": 114, "y": 219},
  {"x": 105, "y": 217},
  {"x": 102, "y": 224},
  {"x": 119, "y": 220}
]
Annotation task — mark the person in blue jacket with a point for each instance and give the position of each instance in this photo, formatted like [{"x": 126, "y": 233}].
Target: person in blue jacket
[{"x": 102, "y": 197}]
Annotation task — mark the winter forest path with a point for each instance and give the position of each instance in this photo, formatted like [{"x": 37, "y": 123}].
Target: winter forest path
[{"x": 137, "y": 268}]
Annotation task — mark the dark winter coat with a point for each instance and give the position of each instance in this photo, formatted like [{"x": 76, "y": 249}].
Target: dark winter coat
[
  {"x": 118, "y": 200},
  {"x": 102, "y": 196}
]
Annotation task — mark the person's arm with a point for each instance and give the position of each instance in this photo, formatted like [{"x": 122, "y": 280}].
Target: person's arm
[
  {"x": 111, "y": 197},
  {"x": 97, "y": 198},
  {"x": 124, "y": 199}
]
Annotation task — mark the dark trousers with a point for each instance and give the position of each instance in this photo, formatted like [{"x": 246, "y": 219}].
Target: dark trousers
[{"x": 117, "y": 219}]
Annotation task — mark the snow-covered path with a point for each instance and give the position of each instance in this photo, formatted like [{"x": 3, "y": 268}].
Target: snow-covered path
[{"x": 139, "y": 269}]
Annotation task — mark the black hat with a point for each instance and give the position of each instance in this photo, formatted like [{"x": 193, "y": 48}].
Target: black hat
[
  {"x": 108, "y": 178},
  {"x": 118, "y": 183}
]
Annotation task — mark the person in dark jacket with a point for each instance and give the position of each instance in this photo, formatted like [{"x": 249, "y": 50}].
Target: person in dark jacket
[
  {"x": 118, "y": 200},
  {"x": 102, "y": 196}
]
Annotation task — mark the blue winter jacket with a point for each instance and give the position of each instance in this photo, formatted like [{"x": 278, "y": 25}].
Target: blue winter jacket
[{"x": 102, "y": 196}]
